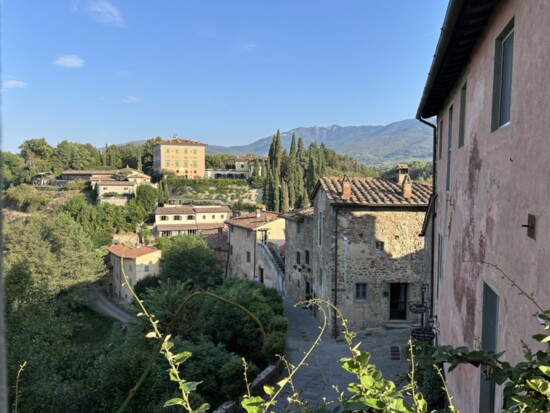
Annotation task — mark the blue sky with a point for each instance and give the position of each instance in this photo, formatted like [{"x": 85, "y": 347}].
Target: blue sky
[{"x": 224, "y": 72}]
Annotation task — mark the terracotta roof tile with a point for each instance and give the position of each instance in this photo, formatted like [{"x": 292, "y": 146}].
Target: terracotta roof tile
[
  {"x": 181, "y": 141},
  {"x": 192, "y": 209},
  {"x": 374, "y": 192},
  {"x": 250, "y": 221},
  {"x": 216, "y": 239},
  {"x": 131, "y": 251},
  {"x": 298, "y": 214}
]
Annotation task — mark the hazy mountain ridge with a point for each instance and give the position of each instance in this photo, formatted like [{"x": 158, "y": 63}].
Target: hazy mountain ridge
[{"x": 406, "y": 140}]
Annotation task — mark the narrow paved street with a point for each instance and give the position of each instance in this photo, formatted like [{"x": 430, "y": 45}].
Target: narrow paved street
[
  {"x": 316, "y": 380},
  {"x": 100, "y": 302}
]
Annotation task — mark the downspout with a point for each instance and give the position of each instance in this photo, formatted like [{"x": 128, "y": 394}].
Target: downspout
[
  {"x": 228, "y": 252},
  {"x": 434, "y": 193},
  {"x": 335, "y": 314},
  {"x": 255, "y": 242}
]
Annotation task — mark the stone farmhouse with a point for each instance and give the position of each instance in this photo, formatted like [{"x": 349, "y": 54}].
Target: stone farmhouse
[
  {"x": 184, "y": 157},
  {"x": 189, "y": 219},
  {"x": 138, "y": 261},
  {"x": 489, "y": 86},
  {"x": 255, "y": 240},
  {"x": 359, "y": 248}
]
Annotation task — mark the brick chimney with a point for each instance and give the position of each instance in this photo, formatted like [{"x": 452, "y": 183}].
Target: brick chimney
[
  {"x": 346, "y": 187},
  {"x": 402, "y": 170},
  {"x": 407, "y": 187}
]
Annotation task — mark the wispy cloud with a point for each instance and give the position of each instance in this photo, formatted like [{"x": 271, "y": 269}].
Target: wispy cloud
[
  {"x": 14, "y": 83},
  {"x": 248, "y": 46},
  {"x": 102, "y": 11},
  {"x": 105, "y": 12},
  {"x": 69, "y": 60},
  {"x": 132, "y": 99}
]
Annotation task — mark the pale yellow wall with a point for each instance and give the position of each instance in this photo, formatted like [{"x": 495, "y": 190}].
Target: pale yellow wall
[
  {"x": 184, "y": 160},
  {"x": 135, "y": 269}
]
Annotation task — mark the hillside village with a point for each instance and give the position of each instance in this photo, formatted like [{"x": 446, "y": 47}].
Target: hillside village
[{"x": 458, "y": 260}]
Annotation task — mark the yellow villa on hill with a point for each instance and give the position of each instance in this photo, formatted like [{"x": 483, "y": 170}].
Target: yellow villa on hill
[{"x": 184, "y": 157}]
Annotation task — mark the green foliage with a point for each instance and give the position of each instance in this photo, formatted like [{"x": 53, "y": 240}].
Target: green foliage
[
  {"x": 12, "y": 166},
  {"x": 141, "y": 287},
  {"x": 27, "y": 199},
  {"x": 146, "y": 197},
  {"x": 218, "y": 161},
  {"x": 278, "y": 324},
  {"x": 188, "y": 258},
  {"x": 274, "y": 346},
  {"x": 56, "y": 250}
]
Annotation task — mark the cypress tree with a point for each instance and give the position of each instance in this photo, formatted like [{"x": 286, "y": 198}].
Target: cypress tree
[
  {"x": 276, "y": 194},
  {"x": 284, "y": 197},
  {"x": 139, "y": 162}
]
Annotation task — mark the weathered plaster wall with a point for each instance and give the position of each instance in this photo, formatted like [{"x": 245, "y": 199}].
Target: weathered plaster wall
[
  {"x": 299, "y": 237},
  {"x": 497, "y": 178}
]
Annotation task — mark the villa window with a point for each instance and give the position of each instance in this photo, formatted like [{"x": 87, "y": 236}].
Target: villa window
[
  {"x": 379, "y": 245},
  {"x": 502, "y": 80},
  {"x": 177, "y": 218},
  {"x": 163, "y": 218},
  {"x": 307, "y": 257},
  {"x": 298, "y": 257},
  {"x": 190, "y": 217},
  {"x": 247, "y": 256},
  {"x": 146, "y": 268}
]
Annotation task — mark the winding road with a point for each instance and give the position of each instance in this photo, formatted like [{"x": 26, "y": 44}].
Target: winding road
[{"x": 100, "y": 302}]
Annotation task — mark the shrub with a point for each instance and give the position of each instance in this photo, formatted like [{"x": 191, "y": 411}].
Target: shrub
[
  {"x": 278, "y": 324},
  {"x": 274, "y": 344}
]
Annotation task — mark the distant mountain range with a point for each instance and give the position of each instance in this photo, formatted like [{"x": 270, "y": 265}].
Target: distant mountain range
[{"x": 402, "y": 141}]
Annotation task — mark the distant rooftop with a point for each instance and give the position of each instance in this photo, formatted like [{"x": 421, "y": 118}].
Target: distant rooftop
[
  {"x": 252, "y": 221},
  {"x": 181, "y": 141},
  {"x": 131, "y": 251}
]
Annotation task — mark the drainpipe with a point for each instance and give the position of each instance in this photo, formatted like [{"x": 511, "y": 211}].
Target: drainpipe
[
  {"x": 335, "y": 330},
  {"x": 229, "y": 251},
  {"x": 434, "y": 194},
  {"x": 255, "y": 242}
]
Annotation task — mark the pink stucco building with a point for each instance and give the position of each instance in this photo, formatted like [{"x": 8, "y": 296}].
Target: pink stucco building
[{"x": 489, "y": 86}]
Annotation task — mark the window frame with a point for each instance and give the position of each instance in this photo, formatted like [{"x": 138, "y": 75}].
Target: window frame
[
  {"x": 502, "y": 78},
  {"x": 462, "y": 114},
  {"x": 361, "y": 291}
]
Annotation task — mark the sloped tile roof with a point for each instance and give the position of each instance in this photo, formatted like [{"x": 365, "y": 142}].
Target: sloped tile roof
[
  {"x": 374, "y": 192},
  {"x": 131, "y": 251},
  {"x": 298, "y": 215},
  {"x": 192, "y": 209},
  {"x": 215, "y": 239},
  {"x": 181, "y": 141},
  {"x": 250, "y": 221}
]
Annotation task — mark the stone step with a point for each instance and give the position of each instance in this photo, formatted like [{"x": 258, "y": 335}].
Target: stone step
[{"x": 397, "y": 324}]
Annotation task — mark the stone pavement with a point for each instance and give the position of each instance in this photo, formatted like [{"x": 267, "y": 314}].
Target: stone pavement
[{"x": 315, "y": 381}]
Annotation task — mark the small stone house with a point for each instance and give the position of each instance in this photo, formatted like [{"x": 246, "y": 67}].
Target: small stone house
[
  {"x": 254, "y": 242},
  {"x": 359, "y": 248},
  {"x": 189, "y": 219},
  {"x": 138, "y": 261}
]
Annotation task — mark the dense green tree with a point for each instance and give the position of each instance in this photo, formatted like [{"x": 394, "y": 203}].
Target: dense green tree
[
  {"x": 147, "y": 154},
  {"x": 36, "y": 148},
  {"x": 190, "y": 259},
  {"x": 12, "y": 164},
  {"x": 146, "y": 196}
]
